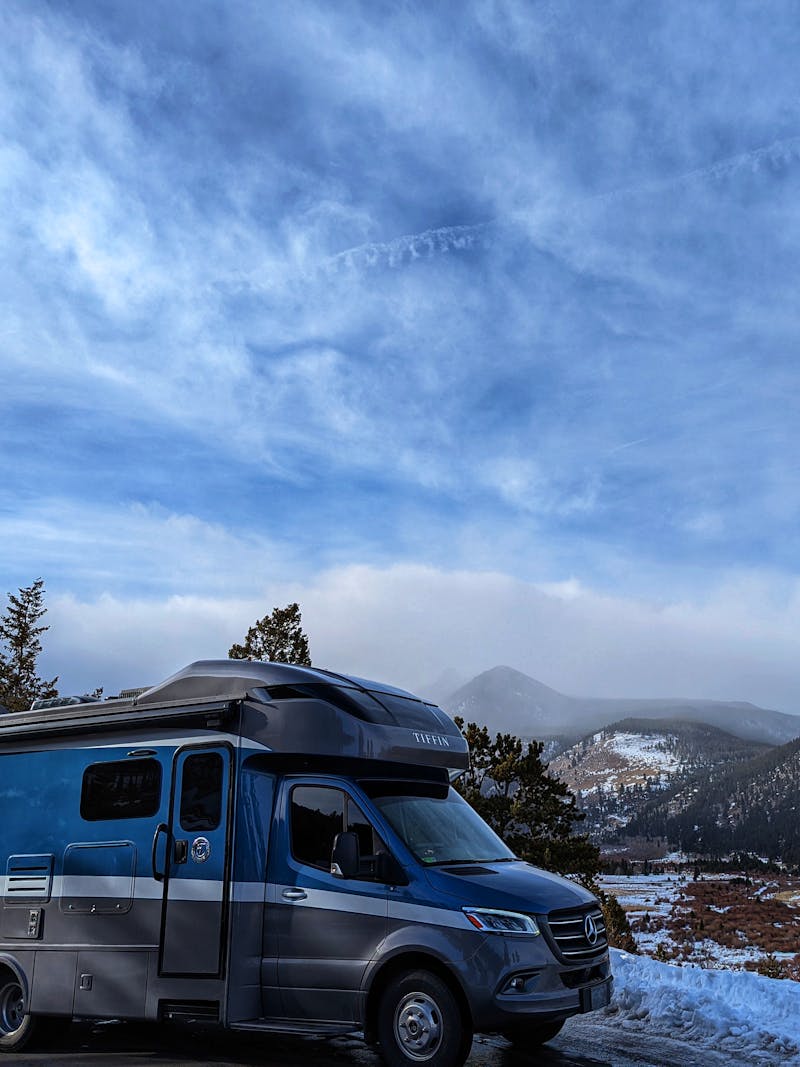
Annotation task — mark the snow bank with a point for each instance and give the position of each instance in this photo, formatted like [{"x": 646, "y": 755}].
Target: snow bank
[{"x": 736, "y": 1011}]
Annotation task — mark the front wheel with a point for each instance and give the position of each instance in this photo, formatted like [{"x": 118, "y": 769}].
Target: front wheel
[
  {"x": 16, "y": 1028},
  {"x": 421, "y": 1023},
  {"x": 532, "y": 1035}
]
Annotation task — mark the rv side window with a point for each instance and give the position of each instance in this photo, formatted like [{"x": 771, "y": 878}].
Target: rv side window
[
  {"x": 128, "y": 789},
  {"x": 201, "y": 791},
  {"x": 318, "y": 814}
]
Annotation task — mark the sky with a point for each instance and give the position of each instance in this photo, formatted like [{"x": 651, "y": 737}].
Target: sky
[{"x": 471, "y": 327}]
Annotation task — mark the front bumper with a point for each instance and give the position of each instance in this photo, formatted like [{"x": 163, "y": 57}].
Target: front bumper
[{"x": 530, "y": 984}]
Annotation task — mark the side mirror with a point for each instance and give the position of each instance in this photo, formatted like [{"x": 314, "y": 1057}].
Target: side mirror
[{"x": 346, "y": 855}]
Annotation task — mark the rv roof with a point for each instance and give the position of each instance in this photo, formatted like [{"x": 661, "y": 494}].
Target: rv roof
[
  {"x": 310, "y": 713},
  {"x": 233, "y": 679}
]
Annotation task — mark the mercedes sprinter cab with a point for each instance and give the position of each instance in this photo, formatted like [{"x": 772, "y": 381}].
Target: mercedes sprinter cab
[{"x": 274, "y": 848}]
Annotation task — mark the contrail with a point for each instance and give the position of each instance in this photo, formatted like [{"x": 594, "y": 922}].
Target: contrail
[
  {"x": 430, "y": 243},
  {"x": 779, "y": 153},
  {"x": 413, "y": 246},
  {"x": 628, "y": 444}
]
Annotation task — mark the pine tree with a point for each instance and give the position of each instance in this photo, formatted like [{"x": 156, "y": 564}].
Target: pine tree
[
  {"x": 20, "y": 685},
  {"x": 278, "y": 637},
  {"x": 618, "y": 928},
  {"x": 536, "y": 814}
]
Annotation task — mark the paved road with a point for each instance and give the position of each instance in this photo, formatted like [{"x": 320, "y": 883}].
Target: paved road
[{"x": 583, "y": 1043}]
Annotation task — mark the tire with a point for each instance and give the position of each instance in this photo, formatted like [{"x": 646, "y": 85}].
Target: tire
[
  {"x": 420, "y": 1023},
  {"x": 16, "y": 1027},
  {"x": 532, "y": 1035}
]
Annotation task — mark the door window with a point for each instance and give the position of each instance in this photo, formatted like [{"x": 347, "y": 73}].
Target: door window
[
  {"x": 318, "y": 814},
  {"x": 317, "y": 817},
  {"x": 368, "y": 840},
  {"x": 201, "y": 791}
]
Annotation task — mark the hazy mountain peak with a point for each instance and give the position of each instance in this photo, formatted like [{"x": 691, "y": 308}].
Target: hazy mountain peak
[{"x": 506, "y": 699}]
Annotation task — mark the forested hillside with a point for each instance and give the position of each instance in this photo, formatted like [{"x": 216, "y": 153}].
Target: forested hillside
[{"x": 750, "y": 807}]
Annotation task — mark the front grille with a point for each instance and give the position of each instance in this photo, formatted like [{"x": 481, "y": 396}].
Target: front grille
[{"x": 571, "y": 933}]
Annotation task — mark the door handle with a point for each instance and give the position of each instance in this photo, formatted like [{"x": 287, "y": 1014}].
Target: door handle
[
  {"x": 294, "y": 894},
  {"x": 162, "y": 828}
]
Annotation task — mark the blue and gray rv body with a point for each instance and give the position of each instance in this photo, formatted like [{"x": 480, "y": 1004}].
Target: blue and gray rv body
[{"x": 270, "y": 847}]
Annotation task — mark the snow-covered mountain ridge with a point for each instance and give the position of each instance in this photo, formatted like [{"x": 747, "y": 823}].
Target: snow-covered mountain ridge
[
  {"x": 614, "y": 759},
  {"x": 619, "y": 771}
]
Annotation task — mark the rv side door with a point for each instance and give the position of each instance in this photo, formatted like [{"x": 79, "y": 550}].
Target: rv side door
[{"x": 197, "y": 865}]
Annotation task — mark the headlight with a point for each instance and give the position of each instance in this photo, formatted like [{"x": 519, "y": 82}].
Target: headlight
[{"x": 501, "y": 922}]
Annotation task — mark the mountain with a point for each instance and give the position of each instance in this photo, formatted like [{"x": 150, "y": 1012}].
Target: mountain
[
  {"x": 508, "y": 700},
  {"x": 631, "y": 766},
  {"x": 647, "y": 751}
]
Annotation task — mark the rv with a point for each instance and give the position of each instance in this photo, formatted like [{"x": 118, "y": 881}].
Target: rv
[{"x": 274, "y": 848}]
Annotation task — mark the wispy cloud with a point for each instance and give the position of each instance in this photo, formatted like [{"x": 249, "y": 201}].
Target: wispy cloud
[
  {"x": 506, "y": 286},
  {"x": 137, "y": 547}
]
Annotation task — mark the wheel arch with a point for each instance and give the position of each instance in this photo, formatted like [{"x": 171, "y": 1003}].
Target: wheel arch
[
  {"x": 415, "y": 960},
  {"x": 11, "y": 966}
]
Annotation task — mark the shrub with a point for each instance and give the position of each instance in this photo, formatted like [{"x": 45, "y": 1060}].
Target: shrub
[
  {"x": 771, "y": 967},
  {"x": 618, "y": 929}
]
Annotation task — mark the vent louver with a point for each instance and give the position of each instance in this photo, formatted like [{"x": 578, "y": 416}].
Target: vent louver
[{"x": 28, "y": 879}]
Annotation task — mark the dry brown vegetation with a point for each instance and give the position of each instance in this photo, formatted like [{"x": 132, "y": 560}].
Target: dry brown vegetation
[{"x": 735, "y": 914}]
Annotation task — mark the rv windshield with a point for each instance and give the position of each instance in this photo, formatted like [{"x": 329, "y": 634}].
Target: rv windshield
[{"x": 436, "y": 823}]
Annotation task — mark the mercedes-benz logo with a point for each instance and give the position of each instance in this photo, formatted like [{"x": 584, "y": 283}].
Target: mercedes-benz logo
[{"x": 590, "y": 929}]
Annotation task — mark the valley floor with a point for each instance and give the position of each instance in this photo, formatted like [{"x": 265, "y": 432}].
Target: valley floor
[{"x": 716, "y": 921}]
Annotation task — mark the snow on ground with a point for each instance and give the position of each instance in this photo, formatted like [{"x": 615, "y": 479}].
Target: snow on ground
[
  {"x": 640, "y": 894},
  {"x": 754, "y": 1018},
  {"x": 652, "y": 895},
  {"x": 647, "y": 749}
]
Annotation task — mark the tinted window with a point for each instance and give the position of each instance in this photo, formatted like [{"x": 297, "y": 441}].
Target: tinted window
[
  {"x": 415, "y": 714},
  {"x": 129, "y": 789},
  {"x": 387, "y": 709},
  {"x": 353, "y": 701},
  {"x": 317, "y": 817},
  {"x": 201, "y": 791},
  {"x": 319, "y": 813}
]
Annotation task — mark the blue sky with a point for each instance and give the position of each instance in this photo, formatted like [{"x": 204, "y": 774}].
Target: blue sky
[{"x": 471, "y": 326}]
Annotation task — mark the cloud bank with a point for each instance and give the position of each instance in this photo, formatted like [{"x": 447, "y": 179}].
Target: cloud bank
[{"x": 408, "y": 624}]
